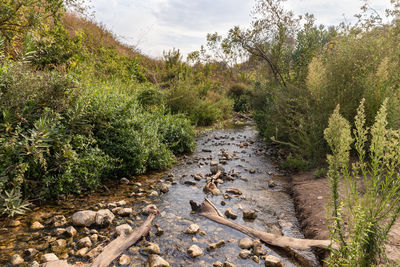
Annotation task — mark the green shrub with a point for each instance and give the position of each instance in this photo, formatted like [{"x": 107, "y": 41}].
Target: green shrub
[
  {"x": 320, "y": 173},
  {"x": 295, "y": 164},
  {"x": 241, "y": 96}
]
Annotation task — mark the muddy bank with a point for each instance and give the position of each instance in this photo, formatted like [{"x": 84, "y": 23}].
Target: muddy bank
[{"x": 311, "y": 197}]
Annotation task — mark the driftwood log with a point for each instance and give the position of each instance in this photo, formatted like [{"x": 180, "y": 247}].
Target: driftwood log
[
  {"x": 114, "y": 249},
  {"x": 208, "y": 210}
]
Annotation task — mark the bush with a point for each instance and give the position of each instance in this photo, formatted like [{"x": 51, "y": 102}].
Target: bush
[
  {"x": 241, "y": 96},
  {"x": 295, "y": 164},
  {"x": 320, "y": 173}
]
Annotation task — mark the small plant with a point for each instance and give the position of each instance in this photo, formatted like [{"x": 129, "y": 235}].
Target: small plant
[
  {"x": 320, "y": 173},
  {"x": 361, "y": 221},
  {"x": 295, "y": 164},
  {"x": 12, "y": 204}
]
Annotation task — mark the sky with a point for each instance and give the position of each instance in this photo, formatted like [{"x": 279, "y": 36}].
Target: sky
[{"x": 154, "y": 26}]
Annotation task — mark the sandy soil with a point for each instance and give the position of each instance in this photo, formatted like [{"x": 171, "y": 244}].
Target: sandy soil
[{"x": 311, "y": 196}]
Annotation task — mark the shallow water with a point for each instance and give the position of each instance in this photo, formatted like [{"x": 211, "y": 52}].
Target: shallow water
[{"x": 275, "y": 207}]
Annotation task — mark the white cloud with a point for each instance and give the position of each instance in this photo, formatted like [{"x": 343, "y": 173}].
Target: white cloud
[{"x": 157, "y": 25}]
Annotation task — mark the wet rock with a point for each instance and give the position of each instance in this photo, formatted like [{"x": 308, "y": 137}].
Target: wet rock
[
  {"x": 228, "y": 264},
  {"x": 147, "y": 210},
  {"x": 94, "y": 237},
  {"x": 83, "y": 218},
  {"x": 192, "y": 229},
  {"x": 123, "y": 229},
  {"x": 124, "y": 181},
  {"x": 16, "y": 259},
  {"x": 49, "y": 257},
  {"x": 194, "y": 251},
  {"x": 230, "y": 214},
  {"x": 234, "y": 191},
  {"x": 206, "y": 150},
  {"x": 257, "y": 247},
  {"x": 59, "y": 231},
  {"x": 34, "y": 264},
  {"x": 104, "y": 217},
  {"x": 223, "y": 203},
  {"x": 255, "y": 259},
  {"x": 70, "y": 231},
  {"x": 120, "y": 203},
  {"x": 124, "y": 260},
  {"x": 214, "y": 246},
  {"x": 58, "y": 245},
  {"x": 82, "y": 252},
  {"x": 151, "y": 248},
  {"x": 159, "y": 231},
  {"x": 37, "y": 226},
  {"x": 30, "y": 253},
  {"x": 272, "y": 261},
  {"x": 245, "y": 254},
  {"x": 59, "y": 221},
  {"x": 14, "y": 223},
  {"x": 271, "y": 183},
  {"x": 153, "y": 194},
  {"x": 125, "y": 212},
  {"x": 190, "y": 182},
  {"x": 157, "y": 261},
  {"x": 164, "y": 188},
  {"x": 84, "y": 242},
  {"x": 245, "y": 243},
  {"x": 218, "y": 264},
  {"x": 249, "y": 214},
  {"x": 211, "y": 188}
]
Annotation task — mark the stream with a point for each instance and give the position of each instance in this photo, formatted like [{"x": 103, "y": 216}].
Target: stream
[{"x": 238, "y": 150}]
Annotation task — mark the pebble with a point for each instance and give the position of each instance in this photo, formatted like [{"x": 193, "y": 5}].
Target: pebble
[
  {"x": 82, "y": 252},
  {"x": 16, "y": 259},
  {"x": 245, "y": 254},
  {"x": 37, "y": 226},
  {"x": 49, "y": 257},
  {"x": 157, "y": 261},
  {"x": 228, "y": 264},
  {"x": 194, "y": 251},
  {"x": 213, "y": 246},
  {"x": 192, "y": 229},
  {"x": 218, "y": 264},
  {"x": 234, "y": 191},
  {"x": 34, "y": 264},
  {"x": 104, "y": 217},
  {"x": 83, "y": 218},
  {"x": 272, "y": 261},
  {"x": 257, "y": 247},
  {"x": 125, "y": 212},
  {"x": 124, "y": 181},
  {"x": 30, "y": 252},
  {"x": 59, "y": 221},
  {"x": 14, "y": 223},
  {"x": 84, "y": 242},
  {"x": 249, "y": 214},
  {"x": 121, "y": 203},
  {"x": 271, "y": 183},
  {"x": 245, "y": 243},
  {"x": 70, "y": 231},
  {"x": 123, "y": 229},
  {"x": 151, "y": 248},
  {"x": 153, "y": 194},
  {"x": 164, "y": 188},
  {"x": 124, "y": 260},
  {"x": 94, "y": 237},
  {"x": 230, "y": 214}
]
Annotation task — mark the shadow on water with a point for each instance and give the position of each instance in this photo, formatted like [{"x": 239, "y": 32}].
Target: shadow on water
[{"x": 275, "y": 207}]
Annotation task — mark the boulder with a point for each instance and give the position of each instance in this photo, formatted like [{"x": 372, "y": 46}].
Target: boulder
[{"x": 104, "y": 217}]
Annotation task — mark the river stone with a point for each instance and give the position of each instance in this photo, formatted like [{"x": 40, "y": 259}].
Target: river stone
[
  {"x": 104, "y": 217},
  {"x": 153, "y": 194},
  {"x": 121, "y": 203},
  {"x": 124, "y": 260},
  {"x": 94, "y": 238},
  {"x": 30, "y": 252},
  {"x": 255, "y": 258},
  {"x": 82, "y": 252},
  {"x": 192, "y": 229},
  {"x": 190, "y": 182},
  {"x": 49, "y": 257},
  {"x": 257, "y": 247},
  {"x": 213, "y": 246},
  {"x": 59, "y": 231},
  {"x": 146, "y": 210},
  {"x": 37, "y": 226},
  {"x": 245, "y": 254},
  {"x": 59, "y": 221},
  {"x": 58, "y": 245},
  {"x": 125, "y": 212},
  {"x": 245, "y": 243},
  {"x": 84, "y": 242},
  {"x": 83, "y": 218},
  {"x": 164, "y": 188},
  {"x": 228, "y": 264},
  {"x": 194, "y": 251},
  {"x": 16, "y": 259},
  {"x": 249, "y": 214},
  {"x": 218, "y": 264},
  {"x": 157, "y": 261},
  {"x": 70, "y": 231},
  {"x": 234, "y": 191},
  {"x": 151, "y": 248},
  {"x": 124, "y": 181},
  {"x": 271, "y": 183},
  {"x": 272, "y": 261},
  {"x": 123, "y": 229},
  {"x": 230, "y": 214},
  {"x": 34, "y": 264},
  {"x": 14, "y": 223}
]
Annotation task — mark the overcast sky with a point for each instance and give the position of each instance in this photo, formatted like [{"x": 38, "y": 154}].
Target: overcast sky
[{"x": 157, "y": 25}]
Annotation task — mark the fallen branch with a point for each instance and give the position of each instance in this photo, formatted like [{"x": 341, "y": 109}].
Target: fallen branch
[
  {"x": 208, "y": 210},
  {"x": 114, "y": 249}
]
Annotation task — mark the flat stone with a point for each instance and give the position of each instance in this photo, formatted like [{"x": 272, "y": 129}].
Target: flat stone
[
  {"x": 83, "y": 218},
  {"x": 84, "y": 242},
  {"x": 272, "y": 261},
  {"x": 194, "y": 251},
  {"x": 245, "y": 243},
  {"x": 16, "y": 259},
  {"x": 245, "y": 254},
  {"x": 49, "y": 257},
  {"x": 157, "y": 261},
  {"x": 37, "y": 226},
  {"x": 249, "y": 214},
  {"x": 151, "y": 248},
  {"x": 123, "y": 229},
  {"x": 234, "y": 191},
  {"x": 192, "y": 229},
  {"x": 230, "y": 214},
  {"x": 125, "y": 212},
  {"x": 70, "y": 231},
  {"x": 104, "y": 217},
  {"x": 124, "y": 260},
  {"x": 82, "y": 252}
]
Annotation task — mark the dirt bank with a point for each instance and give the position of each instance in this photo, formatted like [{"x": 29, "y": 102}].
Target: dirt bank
[{"x": 311, "y": 197}]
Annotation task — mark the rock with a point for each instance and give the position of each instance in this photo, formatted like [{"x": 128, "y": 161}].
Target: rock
[
  {"x": 34, "y": 264},
  {"x": 245, "y": 243},
  {"x": 257, "y": 247},
  {"x": 49, "y": 257},
  {"x": 272, "y": 261},
  {"x": 223, "y": 203},
  {"x": 104, "y": 217},
  {"x": 271, "y": 183},
  {"x": 234, "y": 191},
  {"x": 151, "y": 248},
  {"x": 59, "y": 221},
  {"x": 125, "y": 212},
  {"x": 255, "y": 259},
  {"x": 70, "y": 231},
  {"x": 94, "y": 238},
  {"x": 249, "y": 214},
  {"x": 83, "y": 218},
  {"x": 164, "y": 188},
  {"x": 218, "y": 264},
  {"x": 194, "y": 251},
  {"x": 84, "y": 242},
  {"x": 37, "y": 226},
  {"x": 192, "y": 229},
  {"x": 230, "y": 214},
  {"x": 59, "y": 231},
  {"x": 153, "y": 194},
  {"x": 228, "y": 264},
  {"x": 245, "y": 254},
  {"x": 30, "y": 252},
  {"x": 146, "y": 210},
  {"x": 190, "y": 182},
  {"x": 123, "y": 229},
  {"x": 157, "y": 261},
  {"x": 211, "y": 188},
  {"x": 124, "y": 260},
  {"x": 58, "y": 245},
  {"x": 124, "y": 181},
  {"x": 121, "y": 203},
  {"x": 14, "y": 223},
  {"x": 213, "y": 246},
  {"x": 16, "y": 259},
  {"x": 82, "y": 252}
]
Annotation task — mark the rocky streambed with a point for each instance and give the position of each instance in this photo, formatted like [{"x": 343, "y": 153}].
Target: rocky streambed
[{"x": 251, "y": 192}]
